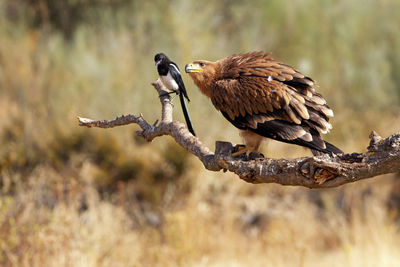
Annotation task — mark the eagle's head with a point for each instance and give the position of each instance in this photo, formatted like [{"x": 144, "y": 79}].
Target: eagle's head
[{"x": 203, "y": 73}]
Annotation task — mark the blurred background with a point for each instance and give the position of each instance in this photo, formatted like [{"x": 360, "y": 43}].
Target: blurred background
[{"x": 73, "y": 196}]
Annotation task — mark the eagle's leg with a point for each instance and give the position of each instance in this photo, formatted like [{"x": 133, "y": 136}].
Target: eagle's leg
[{"x": 252, "y": 144}]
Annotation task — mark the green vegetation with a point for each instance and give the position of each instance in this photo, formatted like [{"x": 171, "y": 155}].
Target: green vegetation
[{"x": 92, "y": 197}]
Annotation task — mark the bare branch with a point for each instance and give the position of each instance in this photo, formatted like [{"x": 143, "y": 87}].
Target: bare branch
[{"x": 383, "y": 155}]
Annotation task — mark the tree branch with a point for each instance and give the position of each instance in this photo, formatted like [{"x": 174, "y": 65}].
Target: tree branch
[{"x": 383, "y": 155}]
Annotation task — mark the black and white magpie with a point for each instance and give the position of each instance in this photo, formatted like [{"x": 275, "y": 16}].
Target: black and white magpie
[{"x": 171, "y": 78}]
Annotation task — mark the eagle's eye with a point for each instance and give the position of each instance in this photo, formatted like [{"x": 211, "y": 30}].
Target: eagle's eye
[{"x": 202, "y": 64}]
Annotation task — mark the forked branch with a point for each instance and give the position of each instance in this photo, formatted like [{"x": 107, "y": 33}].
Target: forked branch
[{"x": 383, "y": 155}]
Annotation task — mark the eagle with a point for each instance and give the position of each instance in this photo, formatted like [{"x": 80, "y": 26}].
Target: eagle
[{"x": 265, "y": 98}]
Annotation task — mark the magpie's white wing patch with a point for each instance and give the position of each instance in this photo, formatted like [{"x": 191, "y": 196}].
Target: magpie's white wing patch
[{"x": 175, "y": 68}]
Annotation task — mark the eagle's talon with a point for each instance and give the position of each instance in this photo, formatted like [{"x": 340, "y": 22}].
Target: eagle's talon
[
  {"x": 255, "y": 155},
  {"x": 246, "y": 153},
  {"x": 238, "y": 150}
]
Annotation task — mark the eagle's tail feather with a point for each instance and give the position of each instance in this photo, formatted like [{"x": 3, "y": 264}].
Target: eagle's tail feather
[{"x": 330, "y": 149}]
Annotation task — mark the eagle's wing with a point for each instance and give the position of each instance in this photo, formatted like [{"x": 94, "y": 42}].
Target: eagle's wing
[{"x": 272, "y": 99}]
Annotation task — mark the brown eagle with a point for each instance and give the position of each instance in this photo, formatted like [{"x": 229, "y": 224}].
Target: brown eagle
[{"x": 265, "y": 98}]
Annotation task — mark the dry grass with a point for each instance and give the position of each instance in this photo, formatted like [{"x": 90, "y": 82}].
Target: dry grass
[{"x": 223, "y": 223}]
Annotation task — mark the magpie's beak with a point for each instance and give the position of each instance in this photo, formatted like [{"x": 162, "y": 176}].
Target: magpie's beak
[{"x": 193, "y": 67}]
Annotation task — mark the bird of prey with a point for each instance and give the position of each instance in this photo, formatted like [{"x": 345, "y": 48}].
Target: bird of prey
[
  {"x": 171, "y": 78},
  {"x": 265, "y": 98}
]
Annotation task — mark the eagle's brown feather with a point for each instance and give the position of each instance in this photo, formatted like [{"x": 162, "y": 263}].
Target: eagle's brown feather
[{"x": 262, "y": 95}]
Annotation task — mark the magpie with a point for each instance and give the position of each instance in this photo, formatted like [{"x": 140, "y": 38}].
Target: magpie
[{"x": 171, "y": 78}]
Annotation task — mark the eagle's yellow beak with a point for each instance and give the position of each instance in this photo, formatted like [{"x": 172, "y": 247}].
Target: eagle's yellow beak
[{"x": 193, "y": 67}]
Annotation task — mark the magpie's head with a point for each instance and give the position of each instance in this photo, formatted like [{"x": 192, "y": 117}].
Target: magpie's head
[{"x": 158, "y": 58}]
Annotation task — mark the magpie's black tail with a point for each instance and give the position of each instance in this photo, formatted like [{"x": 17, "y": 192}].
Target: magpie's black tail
[{"x": 186, "y": 113}]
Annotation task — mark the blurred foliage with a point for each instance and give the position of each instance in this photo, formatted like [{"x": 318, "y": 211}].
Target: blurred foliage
[
  {"x": 63, "y": 16},
  {"x": 64, "y": 185}
]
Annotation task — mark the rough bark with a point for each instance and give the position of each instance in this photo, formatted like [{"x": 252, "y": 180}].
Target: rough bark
[{"x": 383, "y": 155}]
